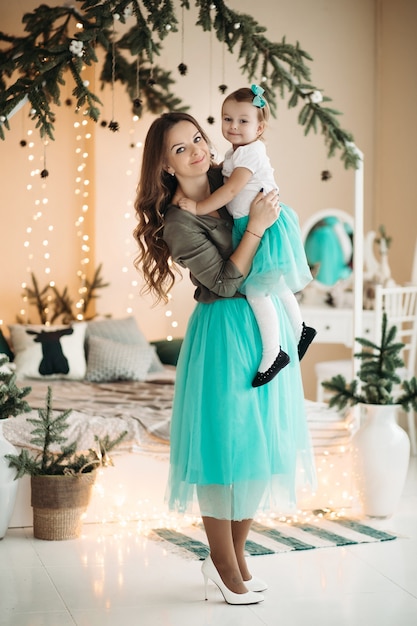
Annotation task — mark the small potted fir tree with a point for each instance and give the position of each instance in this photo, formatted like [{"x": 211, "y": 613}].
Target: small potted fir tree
[
  {"x": 381, "y": 448},
  {"x": 61, "y": 478}
]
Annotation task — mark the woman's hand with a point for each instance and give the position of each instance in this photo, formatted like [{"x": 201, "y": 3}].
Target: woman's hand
[{"x": 264, "y": 211}]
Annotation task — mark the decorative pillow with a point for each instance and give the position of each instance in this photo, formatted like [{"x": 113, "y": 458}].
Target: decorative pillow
[
  {"x": 168, "y": 351},
  {"x": 125, "y": 330},
  {"x": 4, "y": 347},
  {"x": 111, "y": 360},
  {"x": 49, "y": 351}
]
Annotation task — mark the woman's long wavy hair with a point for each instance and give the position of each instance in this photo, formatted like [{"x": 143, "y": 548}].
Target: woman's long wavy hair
[{"x": 155, "y": 191}]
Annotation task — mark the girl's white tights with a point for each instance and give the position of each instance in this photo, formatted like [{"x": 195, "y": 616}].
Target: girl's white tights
[
  {"x": 292, "y": 309},
  {"x": 267, "y": 319},
  {"x": 266, "y": 316}
]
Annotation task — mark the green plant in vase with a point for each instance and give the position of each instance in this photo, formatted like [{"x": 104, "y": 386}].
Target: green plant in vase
[
  {"x": 380, "y": 447},
  {"x": 378, "y": 380}
]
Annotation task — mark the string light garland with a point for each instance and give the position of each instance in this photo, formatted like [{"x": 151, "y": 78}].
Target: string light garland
[
  {"x": 39, "y": 231},
  {"x": 335, "y": 497},
  {"x": 129, "y": 275},
  {"x": 129, "y": 284},
  {"x": 172, "y": 322},
  {"x": 83, "y": 136}
]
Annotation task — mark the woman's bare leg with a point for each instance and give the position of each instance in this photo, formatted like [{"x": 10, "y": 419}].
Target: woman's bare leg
[
  {"x": 240, "y": 531},
  {"x": 222, "y": 551}
]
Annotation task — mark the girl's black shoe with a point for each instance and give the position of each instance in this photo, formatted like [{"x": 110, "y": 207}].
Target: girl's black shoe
[
  {"x": 280, "y": 362},
  {"x": 307, "y": 335}
]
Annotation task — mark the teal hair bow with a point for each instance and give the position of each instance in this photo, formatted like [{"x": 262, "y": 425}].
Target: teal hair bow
[{"x": 258, "y": 101}]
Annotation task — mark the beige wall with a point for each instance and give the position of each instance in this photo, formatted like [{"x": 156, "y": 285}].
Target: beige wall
[
  {"x": 395, "y": 181},
  {"x": 364, "y": 55}
]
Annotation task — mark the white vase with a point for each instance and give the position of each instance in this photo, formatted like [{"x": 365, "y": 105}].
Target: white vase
[
  {"x": 8, "y": 484},
  {"x": 381, "y": 454}
]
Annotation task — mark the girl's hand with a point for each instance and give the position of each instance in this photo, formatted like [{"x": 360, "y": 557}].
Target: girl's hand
[
  {"x": 188, "y": 205},
  {"x": 264, "y": 211}
]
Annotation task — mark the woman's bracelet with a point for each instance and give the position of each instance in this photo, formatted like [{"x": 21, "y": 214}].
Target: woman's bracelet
[{"x": 254, "y": 234}]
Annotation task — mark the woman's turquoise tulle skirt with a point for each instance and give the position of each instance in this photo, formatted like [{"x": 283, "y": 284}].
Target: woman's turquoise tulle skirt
[
  {"x": 235, "y": 449},
  {"x": 280, "y": 255}
]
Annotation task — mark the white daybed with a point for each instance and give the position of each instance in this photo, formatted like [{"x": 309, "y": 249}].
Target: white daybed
[{"x": 134, "y": 488}]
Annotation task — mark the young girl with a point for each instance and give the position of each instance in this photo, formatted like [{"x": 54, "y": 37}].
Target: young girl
[{"x": 280, "y": 265}]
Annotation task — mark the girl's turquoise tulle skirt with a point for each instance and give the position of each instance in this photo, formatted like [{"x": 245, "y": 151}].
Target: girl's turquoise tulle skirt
[
  {"x": 280, "y": 255},
  {"x": 235, "y": 449}
]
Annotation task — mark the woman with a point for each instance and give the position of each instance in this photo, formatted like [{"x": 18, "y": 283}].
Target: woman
[
  {"x": 280, "y": 265},
  {"x": 233, "y": 446}
]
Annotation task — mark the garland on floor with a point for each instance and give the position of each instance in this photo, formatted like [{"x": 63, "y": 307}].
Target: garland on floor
[{"x": 66, "y": 38}]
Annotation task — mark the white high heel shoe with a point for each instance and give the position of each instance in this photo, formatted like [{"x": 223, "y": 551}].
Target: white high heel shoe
[
  {"x": 209, "y": 571},
  {"x": 256, "y": 584}
]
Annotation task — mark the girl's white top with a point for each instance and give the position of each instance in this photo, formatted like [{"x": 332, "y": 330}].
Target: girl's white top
[{"x": 254, "y": 158}]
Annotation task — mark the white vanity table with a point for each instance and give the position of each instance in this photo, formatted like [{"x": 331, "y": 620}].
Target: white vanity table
[{"x": 335, "y": 325}]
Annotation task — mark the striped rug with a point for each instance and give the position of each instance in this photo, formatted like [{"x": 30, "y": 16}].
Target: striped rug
[{"x": 264, "y": 539}]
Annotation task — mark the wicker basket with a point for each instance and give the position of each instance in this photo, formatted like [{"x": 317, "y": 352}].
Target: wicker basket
[{"x": 59, "y": 503}]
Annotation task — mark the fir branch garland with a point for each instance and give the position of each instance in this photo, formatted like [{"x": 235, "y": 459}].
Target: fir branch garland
[{"x": 41, "y": 58}]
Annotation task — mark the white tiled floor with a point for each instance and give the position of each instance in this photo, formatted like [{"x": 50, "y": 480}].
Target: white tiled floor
[{"x": 103, "y": 579}]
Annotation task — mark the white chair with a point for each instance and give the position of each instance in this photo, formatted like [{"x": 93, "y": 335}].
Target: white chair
[{"x": 400, "y": 305}]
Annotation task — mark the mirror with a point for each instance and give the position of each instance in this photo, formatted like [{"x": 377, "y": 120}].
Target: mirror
[{"x": 328, "y": 242}]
